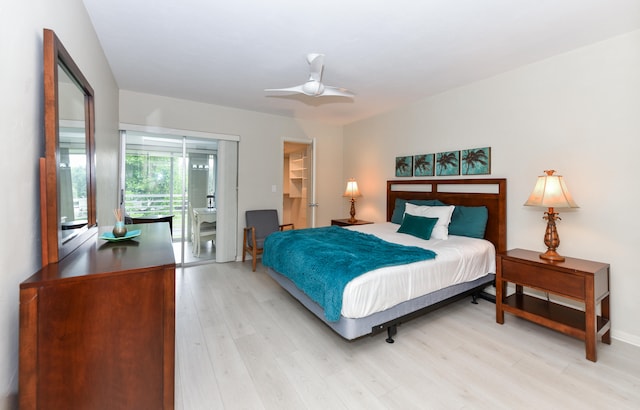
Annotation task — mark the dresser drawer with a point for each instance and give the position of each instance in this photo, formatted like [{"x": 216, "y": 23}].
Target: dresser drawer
[{"x": 561, "y": 283}]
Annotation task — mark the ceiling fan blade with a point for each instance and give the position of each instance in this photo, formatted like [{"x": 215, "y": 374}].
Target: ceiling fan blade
[
  {"x": 337, "y": 92},
  {"x": 316, "y": 63},
  {"x": 296, "y": 89}
]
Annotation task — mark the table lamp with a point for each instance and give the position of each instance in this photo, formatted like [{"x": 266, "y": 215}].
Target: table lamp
[
  {"x": 352, "y": 192},
  {"x": 551, "y": 192}
]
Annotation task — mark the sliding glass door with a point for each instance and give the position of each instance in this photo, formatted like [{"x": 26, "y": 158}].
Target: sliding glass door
[{"x": 176, "y": 178}]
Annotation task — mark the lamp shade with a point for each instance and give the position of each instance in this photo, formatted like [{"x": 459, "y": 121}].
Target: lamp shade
[
  {"x": 352, "y": 189},
  {"x": 551, "y": 192}
]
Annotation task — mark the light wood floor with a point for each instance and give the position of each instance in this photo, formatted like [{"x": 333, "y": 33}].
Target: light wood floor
[{"x": 244, "y": 343}]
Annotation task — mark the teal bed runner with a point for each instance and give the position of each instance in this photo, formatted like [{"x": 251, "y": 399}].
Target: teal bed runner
[{"x": 321, "y": 261}]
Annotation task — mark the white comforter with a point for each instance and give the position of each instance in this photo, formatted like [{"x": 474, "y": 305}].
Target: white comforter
[{"x": 459, "y": 259}]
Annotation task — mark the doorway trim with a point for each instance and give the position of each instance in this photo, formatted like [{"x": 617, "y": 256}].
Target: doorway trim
[{"x": 311, "y": 197}]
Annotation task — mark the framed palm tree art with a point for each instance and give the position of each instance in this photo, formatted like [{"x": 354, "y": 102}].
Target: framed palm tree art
[
  {"x": 476, "y": 161},
  {"x": 404, "y": 166},
  {"x": 448, "y": 163},
  {"x": 423, "y": 165}
]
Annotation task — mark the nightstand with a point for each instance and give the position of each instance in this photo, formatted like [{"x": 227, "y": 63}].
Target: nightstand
[
  {"x": 577, "y": 279},
  {"x": 345, "y": 222}
]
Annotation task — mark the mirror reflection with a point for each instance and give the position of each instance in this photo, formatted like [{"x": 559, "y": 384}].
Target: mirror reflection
[{"x": 72, "y": 166}]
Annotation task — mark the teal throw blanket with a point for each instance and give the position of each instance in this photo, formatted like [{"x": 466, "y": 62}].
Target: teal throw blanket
[{"x": 321, "y": 261}]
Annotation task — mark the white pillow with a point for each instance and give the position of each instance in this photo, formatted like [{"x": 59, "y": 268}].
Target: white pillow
[{"x": 443, "y": 213}]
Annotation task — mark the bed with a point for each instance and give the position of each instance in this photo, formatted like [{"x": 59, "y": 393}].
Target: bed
[{"x": 391, "y": 297}]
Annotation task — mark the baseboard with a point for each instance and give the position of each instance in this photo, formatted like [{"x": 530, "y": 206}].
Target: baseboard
[{"x": 626, "y": 338}]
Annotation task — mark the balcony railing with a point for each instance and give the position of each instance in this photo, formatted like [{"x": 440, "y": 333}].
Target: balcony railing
[
  {"x": 138, "y": 205},
  {"x": 154, "y": 204}
]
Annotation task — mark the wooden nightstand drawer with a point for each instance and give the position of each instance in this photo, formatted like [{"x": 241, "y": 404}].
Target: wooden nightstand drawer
[{"x": 560, "y": 283}]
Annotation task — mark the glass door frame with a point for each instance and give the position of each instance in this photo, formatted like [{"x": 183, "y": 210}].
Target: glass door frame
[{"x": 184, "y": 135}]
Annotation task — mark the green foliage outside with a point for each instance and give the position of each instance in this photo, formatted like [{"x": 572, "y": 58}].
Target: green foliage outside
[
  {"x": 79, "y": 182},
  {"x": 152, "y": 174},
  {"x": 150, "y": 179}
]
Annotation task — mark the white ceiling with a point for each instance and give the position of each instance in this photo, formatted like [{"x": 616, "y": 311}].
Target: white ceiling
[{"x": 389, "y": 52}]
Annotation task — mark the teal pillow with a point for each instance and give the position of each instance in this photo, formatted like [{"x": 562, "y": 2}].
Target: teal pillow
[
  {"x": 469, "y": 221},
  {"x": 418, "y": 226},
  {"x": 398, "y": 209}
]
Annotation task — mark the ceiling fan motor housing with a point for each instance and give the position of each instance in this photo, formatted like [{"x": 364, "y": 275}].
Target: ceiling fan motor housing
[{"x": 313, "y": 88}]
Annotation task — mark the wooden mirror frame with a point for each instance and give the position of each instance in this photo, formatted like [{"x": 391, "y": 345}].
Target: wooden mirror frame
[{"x": 53, "y": 246}]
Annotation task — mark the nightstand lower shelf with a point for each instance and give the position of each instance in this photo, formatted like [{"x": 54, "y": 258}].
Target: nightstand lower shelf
[{"x": 552, "y": 315}]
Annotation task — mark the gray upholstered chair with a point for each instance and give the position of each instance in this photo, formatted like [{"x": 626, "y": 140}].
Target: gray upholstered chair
[{"x": 260, "y": 223}]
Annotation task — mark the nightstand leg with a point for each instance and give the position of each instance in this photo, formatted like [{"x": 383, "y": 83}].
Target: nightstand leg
[
  {"x": 501, "y": 290},
  {"x": 591, "y": 326},
  {"x": 604, "y": 307},
  {"x": 499, "y": 311}
]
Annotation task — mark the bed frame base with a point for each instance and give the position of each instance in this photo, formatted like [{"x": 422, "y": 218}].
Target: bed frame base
[
  {"x": 391, "y": 331},
  {"x": 392, "y": 326},
  {"x": 483, "y": 295},
  {"x": 351, "y": 329}
]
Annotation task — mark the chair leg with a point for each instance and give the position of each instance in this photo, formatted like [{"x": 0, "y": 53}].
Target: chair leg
[
  {"x": 244, "y": 244},
  {"x": 255, "y": 259}
]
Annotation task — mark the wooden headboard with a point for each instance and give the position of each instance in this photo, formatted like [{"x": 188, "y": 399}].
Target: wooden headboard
[{"x": 491, "y": 193}]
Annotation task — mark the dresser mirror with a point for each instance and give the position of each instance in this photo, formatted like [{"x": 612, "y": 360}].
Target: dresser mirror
[{"x": 67, "y": 172}]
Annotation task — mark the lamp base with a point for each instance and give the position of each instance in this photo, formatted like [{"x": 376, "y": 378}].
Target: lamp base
[
  {"x": 551, "y": 255},
  {"x": 551, "y": 238},
  {"x": 353, "y": 219}
]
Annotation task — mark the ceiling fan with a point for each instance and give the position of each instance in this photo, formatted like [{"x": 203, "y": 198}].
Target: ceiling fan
[{"x": 314, "y": 87}]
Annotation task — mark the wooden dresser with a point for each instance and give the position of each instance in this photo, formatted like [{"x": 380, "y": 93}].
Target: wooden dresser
[{"x": 97, "y": 329}]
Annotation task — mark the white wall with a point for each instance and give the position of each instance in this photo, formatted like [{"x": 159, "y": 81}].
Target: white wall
[
  {"x": 577, "y": 113},
  {"x": 261, "y": 147},
  {"x": 21, "y": 131}
]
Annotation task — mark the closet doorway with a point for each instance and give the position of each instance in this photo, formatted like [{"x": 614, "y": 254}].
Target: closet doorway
[
  {"x": 298, "y": 192},
  {"x": 188, "y": 180}
]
